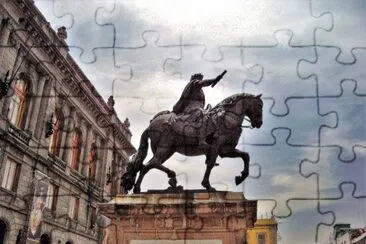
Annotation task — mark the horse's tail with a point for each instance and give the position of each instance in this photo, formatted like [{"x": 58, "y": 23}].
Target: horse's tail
[
  {"x": 136, "y": 163},
  {"x": 139, "y": 157}
]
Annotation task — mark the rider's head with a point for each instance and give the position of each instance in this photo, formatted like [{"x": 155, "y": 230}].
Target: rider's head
[{"x": 197, "y": 76}]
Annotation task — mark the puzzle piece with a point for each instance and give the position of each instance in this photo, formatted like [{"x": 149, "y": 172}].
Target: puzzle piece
[
  {"x": 347, "y": 199},
  {"x": 280, "y": 81},
  {"x": 146, "y": 63},
  {"x": 172, "y": 19},
  {"x": 329, "y": 73},
  {"x": 280, "y": 179},
  {"x": 342, "y": 33},
  {"x": 191, "y": 61},
  {"x": 345, "y": 136},
  {"x": 304, "y": 211},
  {"x": 331, "y": 171},
  {"x": 303, "y": 131}
]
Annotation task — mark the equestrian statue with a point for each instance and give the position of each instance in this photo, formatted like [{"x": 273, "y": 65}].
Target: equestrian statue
[{"x": 192, "y": 130}]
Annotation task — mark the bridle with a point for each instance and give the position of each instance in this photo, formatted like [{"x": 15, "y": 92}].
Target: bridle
[
  {"x": 242, "y": 126},
  {"x": 248, "y": 126}
]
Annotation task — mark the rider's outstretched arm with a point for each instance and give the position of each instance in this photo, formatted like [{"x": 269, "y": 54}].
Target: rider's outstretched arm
[
  {"x": 212, "y": 82},
  {"x": 207, "y": 82}
]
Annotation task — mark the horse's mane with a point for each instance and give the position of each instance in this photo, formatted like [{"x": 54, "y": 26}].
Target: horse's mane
[{"x": 231, "y": 100}]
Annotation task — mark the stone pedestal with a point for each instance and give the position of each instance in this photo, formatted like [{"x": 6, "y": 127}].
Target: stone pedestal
[{"x": 190, "y": 217}]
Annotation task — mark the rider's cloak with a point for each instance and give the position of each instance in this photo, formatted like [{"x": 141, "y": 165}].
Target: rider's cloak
[{"x": 189, "y": 97}]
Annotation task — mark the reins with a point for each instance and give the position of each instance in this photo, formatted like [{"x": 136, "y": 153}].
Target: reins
[
  {"x": 231, "y": 102},
  {"x": 247, "y": 126}
]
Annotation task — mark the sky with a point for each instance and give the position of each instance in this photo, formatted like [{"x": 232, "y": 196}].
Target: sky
[{"x": 306, "y": 57}]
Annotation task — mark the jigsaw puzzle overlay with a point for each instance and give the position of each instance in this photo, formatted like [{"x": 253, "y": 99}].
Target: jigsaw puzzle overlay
[{"x": 307, "y": 58}]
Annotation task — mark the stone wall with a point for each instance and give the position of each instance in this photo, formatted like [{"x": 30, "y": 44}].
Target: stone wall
[{"x": 221, "y": 217}]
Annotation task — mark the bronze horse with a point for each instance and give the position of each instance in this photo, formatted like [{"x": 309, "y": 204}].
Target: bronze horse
[{"x": 223, "y": 135}]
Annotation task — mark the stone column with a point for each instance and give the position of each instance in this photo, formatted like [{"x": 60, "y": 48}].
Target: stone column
[
  {"x": 69, "y": 130},
  {"x": 42, "y": 115},
  {"x": 36, "y": 120},
  {"x": 108, "y": 163},
  {"x": 60, "y": 104},
  {"x": 83, "y": 148},
  {"x": 4, "y": 36},
  {"x": 102, "y": 166},
  {"x": 84, "y": 156},
  {"x": 99, "y": 166}
]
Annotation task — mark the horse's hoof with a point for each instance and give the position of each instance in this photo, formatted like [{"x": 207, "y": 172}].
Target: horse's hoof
[
  {"x": 208, "y": 187},
  {"x": 239, "y": 180},
  {"x": 211, "y": 189},
  {"x": 136, "y": 190},
  {"x": 172, "y": 182}
]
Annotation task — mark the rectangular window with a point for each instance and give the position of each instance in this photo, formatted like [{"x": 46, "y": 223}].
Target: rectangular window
[
  {"x": 11, "y": 175},
  {"x": 74, "y": 208},
  {"x": 52, "y": 194},
  {"x": 261, "y": 238}
]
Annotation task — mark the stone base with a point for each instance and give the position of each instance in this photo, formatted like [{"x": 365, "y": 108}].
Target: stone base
[{"x": 190, "y": 217}]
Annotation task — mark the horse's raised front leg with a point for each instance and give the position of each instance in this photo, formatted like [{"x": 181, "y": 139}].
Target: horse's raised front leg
[
  {"x": 210, "y": 163},
  {"x": 245, "y": 156}
]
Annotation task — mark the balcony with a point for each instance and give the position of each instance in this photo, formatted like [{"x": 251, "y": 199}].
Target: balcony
[
  {"x": 19, "y": 134},
  {"x": 58, "y": 163}
]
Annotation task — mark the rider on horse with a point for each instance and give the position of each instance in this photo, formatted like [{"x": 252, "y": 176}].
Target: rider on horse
[{"x": 192, "y": 102}]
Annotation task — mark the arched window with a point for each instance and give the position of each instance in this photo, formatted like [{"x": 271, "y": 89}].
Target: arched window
[
  {"x": 3, "y": 230},
  {"x": 45, "y": 239},
  {"x": 76, "y": 149},
  {"x": 18, "y": 103},
  {"x": 55, "y": 139}
]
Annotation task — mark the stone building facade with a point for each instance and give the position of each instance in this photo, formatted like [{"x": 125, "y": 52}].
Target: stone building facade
[
  {"x": 344, "y": 234},
  {"x": 62, "y": 147}
]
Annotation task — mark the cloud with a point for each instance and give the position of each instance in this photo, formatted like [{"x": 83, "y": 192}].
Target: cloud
[{"x": 283, "y": 180}]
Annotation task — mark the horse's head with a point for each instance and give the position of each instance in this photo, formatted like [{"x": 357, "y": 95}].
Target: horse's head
[{"x": 254, "y": 111}]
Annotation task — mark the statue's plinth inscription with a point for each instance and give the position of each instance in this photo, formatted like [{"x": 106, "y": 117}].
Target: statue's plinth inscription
[{"x": 222, "y": 217}]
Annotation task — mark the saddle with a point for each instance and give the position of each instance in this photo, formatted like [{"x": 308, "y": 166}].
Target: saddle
[{"x": 190, "y": 124}]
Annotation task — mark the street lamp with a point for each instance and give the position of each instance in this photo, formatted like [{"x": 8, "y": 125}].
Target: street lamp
[{"x": 49, "y": 126}]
